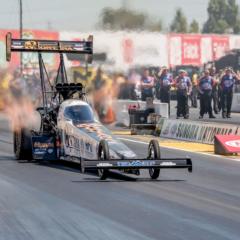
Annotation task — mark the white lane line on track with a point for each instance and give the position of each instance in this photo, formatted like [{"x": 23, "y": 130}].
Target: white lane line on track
[{"x": 183, "y": 150}]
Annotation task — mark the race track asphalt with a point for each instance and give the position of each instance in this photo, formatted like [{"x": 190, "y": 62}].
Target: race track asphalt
[{"x": 55, "y": 201}]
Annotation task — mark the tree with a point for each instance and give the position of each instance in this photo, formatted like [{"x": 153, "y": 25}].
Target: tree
[
  {"x": 179, "y": 23},
  {"x": 223, "y": 17},
  {"x": 154, "y": 26},
  {"x": 123, "y": 18},
  {"x": 194, "y": 27}
]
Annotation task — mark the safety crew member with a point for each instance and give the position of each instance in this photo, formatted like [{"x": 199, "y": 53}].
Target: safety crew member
[
  {"x": 215, "y": 90},
  {"x": 184, "y": 88},
  {"x": 147, "y": 83},
  {"x": 166, "y": 82},
  {"x": 227, "y": 83},
  {"x": 205, "y": 87}
]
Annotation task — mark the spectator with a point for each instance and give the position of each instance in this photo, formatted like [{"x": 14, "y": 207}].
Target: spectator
[
  {"x": 227, "y": 83},
  {"x": 147, "y": 83},
  {"x": 165, "y": 81},
  {"x": 184, "y": 87},
  {"x": 205, "y": 89}
]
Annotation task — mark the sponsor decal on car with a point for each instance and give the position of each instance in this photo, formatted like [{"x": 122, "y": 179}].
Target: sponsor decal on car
[
  {"x": 89, "y": 147},
  {"x": 39, "y": 151},
  {"x": 72, "y": 142},
  {"x": 30, "y": 45},
  {"x": 48, "y": 45},
  {"x": 43, "y": 145},
  {"x": 168, "y": 164},
  {"x": 136, "y": 163},
  {"x": 104, "y": 165},
  {"x": 50, "y": 150},
  {"x": 96, "y": 129}
]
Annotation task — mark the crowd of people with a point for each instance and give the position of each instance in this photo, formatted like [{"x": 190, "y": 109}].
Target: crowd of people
[
  {"x": 17, "y": 86},
  {"x": 213, "y": 89}
]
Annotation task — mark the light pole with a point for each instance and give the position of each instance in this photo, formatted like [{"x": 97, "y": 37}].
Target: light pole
[{"x": 21, "y": 30}]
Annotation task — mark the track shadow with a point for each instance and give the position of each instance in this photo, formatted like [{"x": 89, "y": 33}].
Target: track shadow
[
  {"x": 121, "y": 177},
  {"x": 61, "y": 165},
  {"x": 114, "y": 176}
]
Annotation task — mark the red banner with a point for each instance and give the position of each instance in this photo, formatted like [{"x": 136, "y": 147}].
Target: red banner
[
  {"x": 128, "y": 50},
  {"x": 191, "y": 49},
  {"x": 220, "y": 45}
]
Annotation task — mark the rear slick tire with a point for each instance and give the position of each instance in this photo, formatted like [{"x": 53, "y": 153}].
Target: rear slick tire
[
  {"x": 22, "y": 144},
  {"x": 103, "y": 154},
  {"x": 154, "y": 153}
]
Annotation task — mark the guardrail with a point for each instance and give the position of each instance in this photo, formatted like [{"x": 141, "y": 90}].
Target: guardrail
[{"x": 236, "y": 102}]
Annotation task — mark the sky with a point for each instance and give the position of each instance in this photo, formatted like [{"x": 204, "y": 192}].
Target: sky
[{"x": 82, "y": 15}]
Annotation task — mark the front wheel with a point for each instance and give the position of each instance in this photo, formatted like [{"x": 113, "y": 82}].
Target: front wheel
[
  {"x": 154, "y": 153},
  {"x": 103, "y": 154}
]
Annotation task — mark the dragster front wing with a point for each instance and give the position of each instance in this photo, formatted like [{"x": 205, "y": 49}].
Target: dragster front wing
[{"x": 137, "y": 163}]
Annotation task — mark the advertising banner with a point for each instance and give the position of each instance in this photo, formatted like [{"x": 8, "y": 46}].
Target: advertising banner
[
  {"x": 225, "y": 144},
  {"x": 238, "y": 131},
  {"x": 234, "y": 41},
  {"x": 220, "y": 45},
  {"x": 147, "y": 48},
  {"x": 191, "y": 49},
  {"x": 195, "y": 131},
  {"x": 206, "y": 49},
  {"x": 127, "y": 49},
  {"x": 175, "y": 50}
]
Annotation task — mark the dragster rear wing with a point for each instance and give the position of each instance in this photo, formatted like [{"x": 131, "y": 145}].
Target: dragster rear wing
[
  {"x": 51, "y": 46},
  {"x": 137, "y": 163}
]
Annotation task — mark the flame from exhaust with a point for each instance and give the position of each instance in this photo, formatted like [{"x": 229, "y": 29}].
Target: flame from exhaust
[
  {"x": 104, "y": 97},
  {"x": 21, "y": 113}
]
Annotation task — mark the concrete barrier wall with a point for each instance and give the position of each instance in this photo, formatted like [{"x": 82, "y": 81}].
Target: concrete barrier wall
[
  {"x": 195, "y": 131},
  {"x": 236, "y": 102},
  {"x": 120, "y": 108}
]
